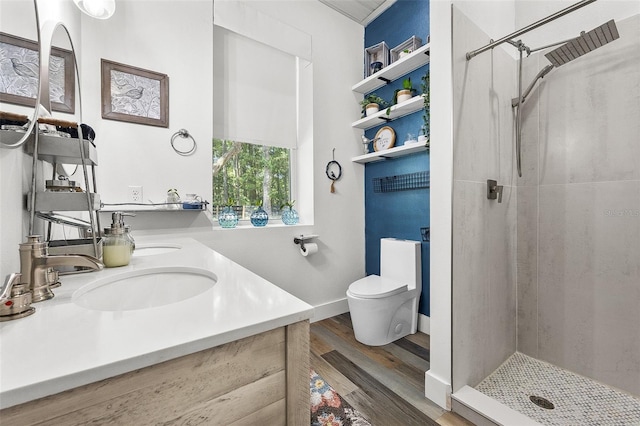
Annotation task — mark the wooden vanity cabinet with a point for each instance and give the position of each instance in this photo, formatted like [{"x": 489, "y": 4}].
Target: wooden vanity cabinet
[{"x": 261, "y": 379}]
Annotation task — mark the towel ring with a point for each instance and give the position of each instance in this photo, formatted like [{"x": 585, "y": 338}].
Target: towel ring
[{"x": 183, "y": 133}]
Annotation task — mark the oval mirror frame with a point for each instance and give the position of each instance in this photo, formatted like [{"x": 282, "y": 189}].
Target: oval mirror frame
[
  {"x": 36, "y": 109},
  {"x": 50, "y": 33}
]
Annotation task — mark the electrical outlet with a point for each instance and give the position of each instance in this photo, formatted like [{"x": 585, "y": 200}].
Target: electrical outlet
[{"x": 135, "y": 194}]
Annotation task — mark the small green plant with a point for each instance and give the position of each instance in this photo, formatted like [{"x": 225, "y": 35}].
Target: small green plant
[
  {"x": 406, "y": 85},
  {"x": 259, "y": 203},
  {"x": 288, "y": 204},
  {"x": 372, "y": 99},
  {"x": 406, "y": 51}
]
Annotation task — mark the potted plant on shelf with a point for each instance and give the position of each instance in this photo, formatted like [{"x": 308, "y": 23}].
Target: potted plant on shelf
[
  {"x": 372, "y": 104},
  {"x": 406, "y": 92},
  {"x": 289, "y": 215},
  {"x": 404, "y": 53}
]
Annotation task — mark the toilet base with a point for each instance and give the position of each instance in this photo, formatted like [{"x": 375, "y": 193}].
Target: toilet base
[{"x": 375, "y": 323}]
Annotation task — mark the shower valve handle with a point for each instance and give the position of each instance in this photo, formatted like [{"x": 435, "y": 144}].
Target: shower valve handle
[{"x": 494, "y": 191}]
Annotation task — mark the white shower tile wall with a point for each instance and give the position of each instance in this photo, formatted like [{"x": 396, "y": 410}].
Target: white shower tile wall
[{"x": 578, "y": 400}]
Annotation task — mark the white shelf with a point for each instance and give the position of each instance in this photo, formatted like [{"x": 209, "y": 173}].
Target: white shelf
[
  {"x": 146, "y": 209},
  {"x": 407, "y": 107},
  {"x": 56, "y": 149},
  {"x": 389, "y": 153},
  {"x": 411, "y": 62},
  {"x": 49, "y": 201}
]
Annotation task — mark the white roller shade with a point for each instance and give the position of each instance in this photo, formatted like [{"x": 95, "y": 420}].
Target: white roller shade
[
  {"x": 241, "y": 18},
  {"x": 254, "y": 92}
]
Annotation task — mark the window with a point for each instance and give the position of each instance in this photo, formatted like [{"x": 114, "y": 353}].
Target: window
[
  {"x": 262, "y": 110},
  {"x": 246, "y": 175}
]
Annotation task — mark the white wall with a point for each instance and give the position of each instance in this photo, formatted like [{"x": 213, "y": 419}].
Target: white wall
[
  {"x": 339, "y": 217},
  {"x": 176, "y": 38},
  {"x": 169, "y": 38}
]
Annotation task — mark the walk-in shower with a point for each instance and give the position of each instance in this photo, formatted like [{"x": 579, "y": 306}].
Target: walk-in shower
[{"x": 546, "y": 284}]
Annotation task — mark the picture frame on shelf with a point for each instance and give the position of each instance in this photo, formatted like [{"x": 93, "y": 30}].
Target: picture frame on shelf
[
  {"x": 385, "y": 139},
  {"x": 376, "y": 58},
  {"x": 134, "y": 95},
  {"x": 406, "y": 47},
  {"x": 20, "y": 74}
]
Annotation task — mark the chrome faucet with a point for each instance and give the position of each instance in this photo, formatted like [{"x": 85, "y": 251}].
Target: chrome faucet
[{"x": 36, "y": 266}]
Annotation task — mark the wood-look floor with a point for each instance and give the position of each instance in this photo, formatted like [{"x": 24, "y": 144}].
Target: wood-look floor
[{"x": 384, "y": 383}]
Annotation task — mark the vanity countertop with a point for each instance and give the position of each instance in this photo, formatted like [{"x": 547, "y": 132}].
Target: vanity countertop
[{"x": 63, "y": 345}]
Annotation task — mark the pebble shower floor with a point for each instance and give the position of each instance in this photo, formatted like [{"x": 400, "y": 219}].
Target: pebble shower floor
[{"x": 577, "y": 399}]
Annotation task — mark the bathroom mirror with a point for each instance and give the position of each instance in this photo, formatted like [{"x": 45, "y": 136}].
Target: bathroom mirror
[
  {"x": 19, "y": 70},
  {"x": 60, "y": 80},
  {"x": 62, "y": 77},
  {"x": 58, "y": 74}
]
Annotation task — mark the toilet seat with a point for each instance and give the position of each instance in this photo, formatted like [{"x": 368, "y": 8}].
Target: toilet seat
[{"x": 376, "y": 287}]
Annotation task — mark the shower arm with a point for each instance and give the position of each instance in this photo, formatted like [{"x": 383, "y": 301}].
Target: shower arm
[
  {"x": 552, "y": 44},
  {"x": 544, "y": 71}
]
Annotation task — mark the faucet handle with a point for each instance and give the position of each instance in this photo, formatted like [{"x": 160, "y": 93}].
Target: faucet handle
[
  {"x": 15, "y": 299},
  {"x": 494, "y": 191},
  {"x": 7, "y": 286}
]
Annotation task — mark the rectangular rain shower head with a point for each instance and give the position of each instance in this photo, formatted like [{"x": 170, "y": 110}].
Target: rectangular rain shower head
[{"x": 583, "y": 44}]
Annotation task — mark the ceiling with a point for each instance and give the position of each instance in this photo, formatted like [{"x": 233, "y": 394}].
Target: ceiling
[{"x": 361, "y": 11}]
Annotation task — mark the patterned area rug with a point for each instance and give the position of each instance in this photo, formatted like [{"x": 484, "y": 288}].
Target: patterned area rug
[{"x": 328, "y": 408}]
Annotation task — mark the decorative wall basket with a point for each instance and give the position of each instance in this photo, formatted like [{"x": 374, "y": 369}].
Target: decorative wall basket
[
  {"x": 411, "y": 45},
  {"x": 376, "y": 58}
]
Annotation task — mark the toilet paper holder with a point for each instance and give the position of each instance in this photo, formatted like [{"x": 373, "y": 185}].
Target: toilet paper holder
[{"x": 302, "y": 238}]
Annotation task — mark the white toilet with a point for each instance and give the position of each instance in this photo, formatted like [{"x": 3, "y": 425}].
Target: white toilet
[{"x": 385, "y": 308}]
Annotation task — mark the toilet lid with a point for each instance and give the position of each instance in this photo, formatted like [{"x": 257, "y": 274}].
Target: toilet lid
[{"x": 374, "y": 287}]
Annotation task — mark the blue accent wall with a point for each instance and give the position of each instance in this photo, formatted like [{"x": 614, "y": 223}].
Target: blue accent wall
[{"x": 398, "y": 214}]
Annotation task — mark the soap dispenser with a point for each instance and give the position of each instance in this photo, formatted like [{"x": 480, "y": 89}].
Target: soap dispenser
[{"x": 117, "y": 244}]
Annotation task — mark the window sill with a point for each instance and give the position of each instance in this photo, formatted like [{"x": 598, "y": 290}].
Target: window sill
[{"x": 247, "y": 225}]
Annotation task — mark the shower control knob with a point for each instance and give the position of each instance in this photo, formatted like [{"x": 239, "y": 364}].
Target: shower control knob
[{"x": 494, "y": 191}]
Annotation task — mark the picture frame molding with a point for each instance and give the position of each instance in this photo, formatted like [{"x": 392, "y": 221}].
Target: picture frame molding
[
  {"x": 69, "y": 100},
  {"x": 106, "y": 94}
]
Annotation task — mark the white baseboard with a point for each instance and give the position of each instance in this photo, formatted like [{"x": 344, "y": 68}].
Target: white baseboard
[
  {"x": 424, "y": 324},
  {"x": 437, "y": 390},
  {"x": 330, "y": 309}
]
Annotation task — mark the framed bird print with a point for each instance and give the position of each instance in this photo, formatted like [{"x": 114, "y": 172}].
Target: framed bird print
[
  {"x": 134, "y": 94},
  {"x": 20, "y": 74}
]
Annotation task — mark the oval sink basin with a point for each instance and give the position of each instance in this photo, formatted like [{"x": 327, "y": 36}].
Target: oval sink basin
[
  {"x": 155, "y": 248},
  {"x": 143, "y": 289}
]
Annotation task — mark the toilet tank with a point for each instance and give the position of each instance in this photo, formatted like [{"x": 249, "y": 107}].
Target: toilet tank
[{"x": 401, "y": 260}]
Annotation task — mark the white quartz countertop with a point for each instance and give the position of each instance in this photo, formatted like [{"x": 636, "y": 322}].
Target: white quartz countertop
[{"x": 63, "y": 345}]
